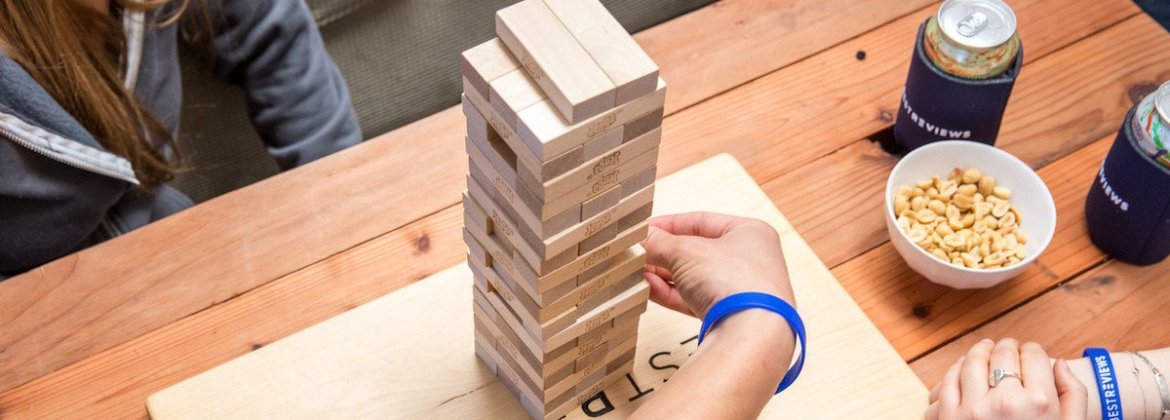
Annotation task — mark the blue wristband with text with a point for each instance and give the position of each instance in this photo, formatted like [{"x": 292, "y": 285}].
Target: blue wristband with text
[
  {"x": 755, "y": 300},
  {"x": 1107, "y": 387}
]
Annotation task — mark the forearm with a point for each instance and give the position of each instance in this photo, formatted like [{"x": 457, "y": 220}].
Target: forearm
[
  {"x": 732, "y": 374},
  {"x": 297, "y": 99},
  {"x": 1139, "y": 393}
]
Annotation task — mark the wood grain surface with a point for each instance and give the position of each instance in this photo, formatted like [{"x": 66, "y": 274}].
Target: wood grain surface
[
  {"x": 763, "y": 80},
  {"x": 222, "y": 248},
  {"x": 367, "y": 363}
]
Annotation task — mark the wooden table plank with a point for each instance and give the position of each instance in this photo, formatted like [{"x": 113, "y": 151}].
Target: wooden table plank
[
  {"x": 1117, "y": 305},
  {"x": 87, "y": 302},
  {"x": 237, "y": 242},
  {"x": 433, "y": 129},
  {"x": 340, "y": 368},
  {"x": 1060, "y": 103},
  {"x": 741, "y": 40},
  {"x": 887, "y": 36},
  {"x": 917, "y": 315},
  {"x": 116, "y": 382},
  {"x": 1089, "y": 97},
  {"x": 827, "y": 101}
]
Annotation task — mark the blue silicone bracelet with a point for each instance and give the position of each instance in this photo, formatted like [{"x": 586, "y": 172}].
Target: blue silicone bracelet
[
  {"x": 754, "y": 300},
  {"x": 1106, "y": 382}
]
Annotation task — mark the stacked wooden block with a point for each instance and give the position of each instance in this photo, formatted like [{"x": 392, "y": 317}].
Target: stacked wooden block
[{"x": 564, "y": 114}]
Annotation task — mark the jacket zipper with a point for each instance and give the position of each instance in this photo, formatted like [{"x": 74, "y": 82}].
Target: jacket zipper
[
  {"x": 76, "y": 163},
  {"x": 134, "y": 22}
]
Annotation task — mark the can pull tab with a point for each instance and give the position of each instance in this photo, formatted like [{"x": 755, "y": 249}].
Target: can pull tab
[{"x": 973, "y": 24}]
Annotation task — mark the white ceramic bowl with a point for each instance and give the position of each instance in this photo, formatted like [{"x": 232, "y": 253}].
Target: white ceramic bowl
[{"x": 1029, "y": 195}]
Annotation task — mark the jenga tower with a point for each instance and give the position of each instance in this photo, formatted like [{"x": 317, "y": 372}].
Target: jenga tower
[{"x": 564, "y": 114}]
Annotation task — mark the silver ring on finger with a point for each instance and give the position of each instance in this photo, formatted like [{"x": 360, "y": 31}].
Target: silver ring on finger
[{"x": 998, "y": 375}]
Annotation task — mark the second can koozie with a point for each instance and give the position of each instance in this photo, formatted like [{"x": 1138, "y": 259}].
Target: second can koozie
[
  {"x": 1128, "y": 206},
  {"x": 938, "y": 106}
]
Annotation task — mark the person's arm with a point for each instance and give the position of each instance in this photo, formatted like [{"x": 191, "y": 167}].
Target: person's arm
[
  {"x": 1034, "y": 388},
  {"x": 1140, "y": 397},
  {"x": 296, "y": 97},
  {"x": 47, "y": 209},
  {"x": 693, "y": 261},
  {"x": 732, "y": 375}
]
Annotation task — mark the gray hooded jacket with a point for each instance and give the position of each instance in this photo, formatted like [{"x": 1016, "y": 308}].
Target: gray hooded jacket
[{"x": 61, "y": 191}]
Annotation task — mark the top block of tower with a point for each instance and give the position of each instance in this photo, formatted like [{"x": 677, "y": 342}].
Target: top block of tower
[{"x": 578, "y": 54}]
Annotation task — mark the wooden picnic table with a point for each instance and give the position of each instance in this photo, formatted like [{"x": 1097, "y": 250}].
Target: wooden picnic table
[{"x": 781, "y": 84}]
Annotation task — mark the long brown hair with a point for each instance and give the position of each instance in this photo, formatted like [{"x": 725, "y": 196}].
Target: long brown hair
[{"x": 77, "y": 55}]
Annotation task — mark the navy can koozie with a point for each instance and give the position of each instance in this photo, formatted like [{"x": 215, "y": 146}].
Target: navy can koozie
[
  {"x": 1128, "y": 207},
  {"x": 938, "y": 106}
]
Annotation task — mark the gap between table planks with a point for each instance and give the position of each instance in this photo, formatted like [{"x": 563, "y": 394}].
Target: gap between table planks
[
  {"x": 224, "y": 247},
  {"x": 920, "y": 316},
  {"x": 1116, "y": 305},
  {"x": 1049, "y": 120},
  {"x": 340, "y": 367},
  {"x": 308, "y": 320}
]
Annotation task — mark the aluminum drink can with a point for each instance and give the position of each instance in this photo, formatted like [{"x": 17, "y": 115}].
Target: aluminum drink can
[
  {"x": 972, "y": 39},
  {"x": 1151, "y": 125}
]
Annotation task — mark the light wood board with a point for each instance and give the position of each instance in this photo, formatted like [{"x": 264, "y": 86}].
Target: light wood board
[{"x": 409, "y": 354}]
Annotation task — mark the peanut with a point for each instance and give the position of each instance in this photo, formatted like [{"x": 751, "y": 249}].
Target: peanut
[{"x": 964, "y": 219}]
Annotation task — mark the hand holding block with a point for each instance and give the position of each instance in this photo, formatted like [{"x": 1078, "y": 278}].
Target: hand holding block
[
  {"x": 555, "y": 61},
  {"x": 632, "y": 72}
]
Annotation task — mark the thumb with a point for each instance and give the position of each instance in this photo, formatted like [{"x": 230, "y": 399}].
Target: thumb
[
  {"x": 1074, "y": 398},
  {"x": 664, "y": 249}
]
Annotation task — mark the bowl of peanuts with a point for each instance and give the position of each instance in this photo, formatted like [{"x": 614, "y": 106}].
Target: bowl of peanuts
[{"x": 967, "y": 215}]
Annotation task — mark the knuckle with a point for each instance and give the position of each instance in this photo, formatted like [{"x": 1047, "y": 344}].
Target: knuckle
[
  {"x": 1037, "y": 402},
  {"x": 1002, "y": 408}
]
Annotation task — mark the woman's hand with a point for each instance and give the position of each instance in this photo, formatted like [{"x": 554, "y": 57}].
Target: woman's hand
[
  {"x": 695, "y": 259},
  {"x": 1043, "y": 390}
]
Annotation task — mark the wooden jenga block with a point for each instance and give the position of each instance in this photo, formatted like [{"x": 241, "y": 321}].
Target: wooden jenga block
[
  {"x": 507, "y": 342},
  {"x": 511, "y": 370},
  {"x": 592, "y": 169},
  {"x": 632, "y": 72},
  {"x": 524, "y": 157},
  {"x": 603, "y": 144},
  {"x": 486, "y": 62},
  {"x": 537, "y": 382},
  {"x": 510, "y": 93},
  {"x": 535, "y": 284},
  {"x": 602, "y": 202},
  {"x": 597, "y": 222},
  {"x": 638, "y": 181},
  {"x": 598, "y": 361},
  {"x": 504, "y": 261},
  {"x": 642, "y": 125},
  {"x": 477, "y": 126},
  {"x": 595, "y": 185},
  {"x": 551, "y": 385},
  {"x": 628, "y": 299},
  {"x": 541, "y": 323},
  {"x": 637, "y": 216},
  {"x": 569, "y": 76},
  {"x": 553, "y": 412},
  {"x": 538, "y": 135},
  {"x": 599, "y": 238},
  {"x": 474, "y": 217},
  {"x": 630, "y": 260},
  {"x": 504, "y": 226},
  {"x": 541, "y": 370},
  {"x": 541, "y": 129},
  {"x": 483, "y": 171},
  {"x": 561, "y": 248},
  {"x": 482, "y": 350}
]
